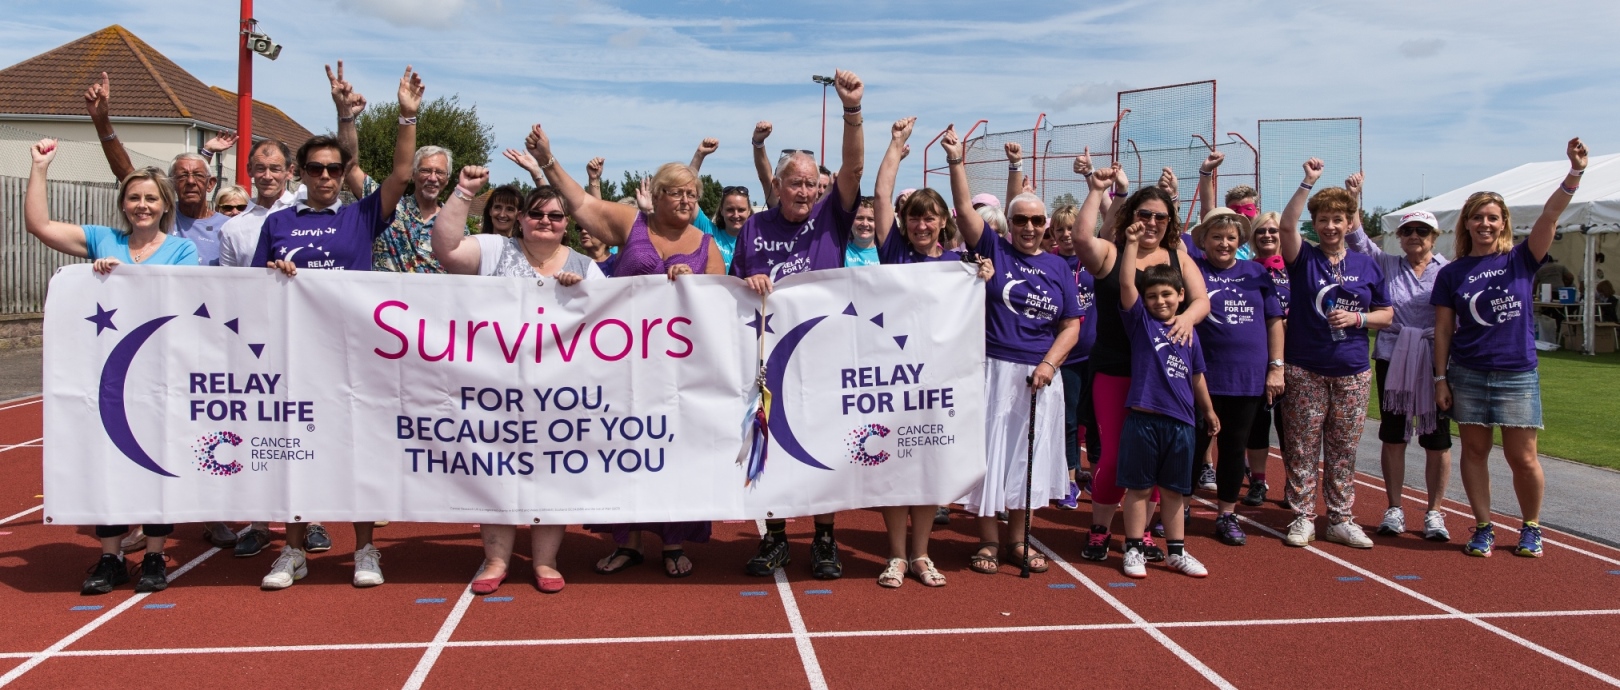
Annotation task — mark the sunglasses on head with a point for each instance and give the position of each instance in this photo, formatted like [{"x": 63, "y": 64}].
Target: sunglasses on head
[
  {"x": 1144, "y": 214},
  {"x": 227, "y": 208},
  {"x": 1409, "y": 230},
  {"x": 313, "y": 169},
  {"x": 728, "y": 191},
  {"x": 1038, "y": 221},
  {"x": 789, "y": 152},
  {"x": 554, "y": 216}
]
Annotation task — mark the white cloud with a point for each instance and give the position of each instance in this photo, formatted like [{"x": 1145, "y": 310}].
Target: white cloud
[
  {"x": 420, "y": 13},
  {"x": 1421, "y": 49},
  {"x": 1079, "y": 94}
]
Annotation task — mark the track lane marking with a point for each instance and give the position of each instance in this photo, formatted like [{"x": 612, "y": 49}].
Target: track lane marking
[
  {"x": 430, "y": 655},
  {"x": 24, "y": 444},
  {"x": 23, "y": 514},
  {"x": 801, "y": 634}
]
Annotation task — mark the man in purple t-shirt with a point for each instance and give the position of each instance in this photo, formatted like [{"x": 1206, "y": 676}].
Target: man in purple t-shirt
[{"x": 806, "y": 232}]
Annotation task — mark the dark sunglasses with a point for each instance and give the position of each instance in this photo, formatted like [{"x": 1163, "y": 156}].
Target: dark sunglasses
[
  {"x": 1267, "y": 230},
  {"x": 227, "y": 208},
  {"x": 1038, "y": 221},
  {"x": 555, "y": 216},
  {"x": 1409, "y": 230},
  {"x": 1144, "y": 214},
  {"x": 331, "y": 169},
  {"x": 728, "y": 191},
  {"x": 789, "y": 152}
]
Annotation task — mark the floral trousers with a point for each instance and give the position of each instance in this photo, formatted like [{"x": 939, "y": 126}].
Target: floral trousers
[{"x": 1323, "y": 420}]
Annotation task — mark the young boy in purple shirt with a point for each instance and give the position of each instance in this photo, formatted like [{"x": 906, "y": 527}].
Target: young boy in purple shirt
[{"x": 1166, "y": 399}]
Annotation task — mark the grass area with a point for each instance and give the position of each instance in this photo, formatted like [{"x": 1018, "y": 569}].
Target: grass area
[{"x": 1580, "y": 400}]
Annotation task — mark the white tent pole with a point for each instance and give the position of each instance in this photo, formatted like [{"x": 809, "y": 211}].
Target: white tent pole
[{"x": 1588, "y": 292}]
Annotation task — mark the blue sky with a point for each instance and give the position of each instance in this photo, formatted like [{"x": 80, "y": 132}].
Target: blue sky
[{"x": 1450, "y": 91}]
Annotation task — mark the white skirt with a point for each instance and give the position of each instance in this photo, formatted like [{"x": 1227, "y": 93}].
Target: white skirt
[{"x": 1006, "y": 439}]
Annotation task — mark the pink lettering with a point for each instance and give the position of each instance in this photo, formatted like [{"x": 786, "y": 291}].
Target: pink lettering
[
  {"x": 628, "y": 340},
  {"x": 404, "y": 343}
]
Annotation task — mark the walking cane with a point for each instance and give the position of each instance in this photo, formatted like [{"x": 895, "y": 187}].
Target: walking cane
[{"x": 1029, "y": 475}]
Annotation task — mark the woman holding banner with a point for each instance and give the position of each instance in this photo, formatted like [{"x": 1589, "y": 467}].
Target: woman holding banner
[
  {"x": 146, "y": 201},
  {"x": 660, "y": 242},
  {"x": 1032, "y": 320}
]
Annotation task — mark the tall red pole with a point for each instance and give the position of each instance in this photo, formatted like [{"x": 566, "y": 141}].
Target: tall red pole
[{"x": 244, "y": 96}]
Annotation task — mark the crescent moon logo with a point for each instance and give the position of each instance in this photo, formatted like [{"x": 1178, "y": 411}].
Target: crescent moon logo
[
  {"x": 775, "y": 369},
  {"x": 1212, "y": 315},
  {"x": 114, "y": 417},
  {"x": 289, "y": 256},
  {"x": 1473, "y": 309},
  {"x": 1006, "y": 296},
  {"x": 1320, "y": 296}
]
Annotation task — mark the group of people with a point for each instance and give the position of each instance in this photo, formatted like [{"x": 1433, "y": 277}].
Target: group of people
[{"x": 1170, "y": 353}]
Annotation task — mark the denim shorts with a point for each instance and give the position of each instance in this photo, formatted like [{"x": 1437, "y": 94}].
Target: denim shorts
[{"x": 1495, "y": 398}]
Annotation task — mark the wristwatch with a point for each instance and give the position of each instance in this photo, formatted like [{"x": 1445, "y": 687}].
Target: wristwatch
[{"x": 1275, "y": 363}]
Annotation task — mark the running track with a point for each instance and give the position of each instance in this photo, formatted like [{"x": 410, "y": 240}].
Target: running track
[{"x": 1408, "y": 613}]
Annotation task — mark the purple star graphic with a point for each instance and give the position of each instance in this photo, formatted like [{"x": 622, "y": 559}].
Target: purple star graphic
[
  {"x": 754, "y": 324},
  {"x": 102, "y": 319}
]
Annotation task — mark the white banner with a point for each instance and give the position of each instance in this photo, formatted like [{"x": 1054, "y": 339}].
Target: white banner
[{"x": 184, "y": 394}]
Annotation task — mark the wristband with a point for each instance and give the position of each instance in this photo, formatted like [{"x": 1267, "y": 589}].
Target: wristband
[
  {"x": 759, "y": 144},
  {"x": 463, "y": 195},
  {"x": 1577, "y": 173},
  {"x": 345, "y": 119},
  {"x": 1439, "y": 378},
  {"x": 1201, "y": 173},
  {"x": 1014, "y": 168},
  {"x": 852, "y": 109},
  {"x": 407, "y": 120},
  {"x": 1568, "y": 190},
  {"x": 952, "y": 161},
  {"x": 205, "y": 153},
  {"x": 1361, "y": 320},
  {"x": 1306, "y": 186},
  {"x": 110, "y": 136},
  {"x": 1116, "y": 194},
  {"x": 1054, "y": 366}
]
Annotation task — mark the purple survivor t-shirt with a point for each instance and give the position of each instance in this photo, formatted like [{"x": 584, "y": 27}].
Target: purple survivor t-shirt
[
  {"x": 771, "y": 245},
  {"x": 1024, "y": 300},
  {"x": 1492, "y": 297},
  {"x": 1355, "y": 285},
  {"x": 1086, "y": 293},
  {"x": 324, "y": 239},
  {"x": 1161, "y": 369},
  {"x": 1241, "y": 298},
  {"x": 1193, "y": 250},
  {"x": 897, "y": 250}
]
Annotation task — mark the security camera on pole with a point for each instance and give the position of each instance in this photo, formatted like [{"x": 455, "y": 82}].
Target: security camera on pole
[{"x": 251, "y": 42}]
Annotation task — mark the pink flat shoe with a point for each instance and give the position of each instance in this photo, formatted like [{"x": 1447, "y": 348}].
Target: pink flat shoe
[
  {"x": 487, "y": 585},
  {"x": 548, "y": 585}
]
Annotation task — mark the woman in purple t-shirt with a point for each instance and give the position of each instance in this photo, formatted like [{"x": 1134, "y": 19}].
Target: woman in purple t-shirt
[
  {"x": 1337, "y": 296},
  {"x": 1485, "y": 353},
  {"x": 1266, "y": 241},
  {"x": 1032, "y": 319}
]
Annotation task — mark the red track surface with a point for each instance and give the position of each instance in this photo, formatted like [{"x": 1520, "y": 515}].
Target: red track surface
[{"x": 1408, "y": 613}]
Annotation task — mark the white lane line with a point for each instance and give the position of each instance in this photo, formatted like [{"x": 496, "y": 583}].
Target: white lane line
[
  {"x": 19, "y": 402},
  {"x": 434, "y": 649},
  {"x": 1470, "y": 516},
  {"x": 744, "y": 637},
  {"x": 1471, "y": 618},
  {"x": 24, "y": 444},
  {"x": 87, "y": 628},
  {"x": 801, "y": 634},
  {"x": 23, "y": 514},
  {"x": 1141, "y": 623}
]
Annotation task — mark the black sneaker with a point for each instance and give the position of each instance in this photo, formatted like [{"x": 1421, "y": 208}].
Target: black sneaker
[
  {"x": 773, "y": 554},
  {"x": 252, "y": 543},
  {"x": 942, "y": 516},
  {"x": 1229, "y": 531},
  {"x": 1096, "y": 546},
  {"x": 824, "y": 563},
  {"x": 316, "y": 539},
  {"x": 1151, "y": 550},
  {"x": 107, "y": 573},
  {"x": 1256, "y": 495},
  {"x": 1158, "y": 531},
  {"x": 154, "y": 573}
]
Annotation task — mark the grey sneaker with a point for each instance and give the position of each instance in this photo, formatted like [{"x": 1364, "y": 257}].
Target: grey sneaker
[
  {"x": 367, "y": 566},
  {"x": 1135, "y": 564},
  {"x": 289, "y": 567},
  {"x": 1206, "y": 478},
  {"x": 1393, "y": 524},
  {"x": 1434, "y": 526}
]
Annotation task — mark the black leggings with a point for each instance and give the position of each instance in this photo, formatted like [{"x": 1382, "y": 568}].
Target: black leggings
[
  {"x": 1260, "y": 431},
  {"x": 109, "y": 531},
  {"x": 1237, "y": 414},
  {"x": 1077, "y": 411}
]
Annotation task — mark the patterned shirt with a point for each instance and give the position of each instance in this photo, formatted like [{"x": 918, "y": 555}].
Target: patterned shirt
[{"x": 407, "y": 245}]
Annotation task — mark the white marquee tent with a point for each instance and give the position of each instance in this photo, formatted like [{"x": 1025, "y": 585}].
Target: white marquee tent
[{"x": 1590, "y": 222}]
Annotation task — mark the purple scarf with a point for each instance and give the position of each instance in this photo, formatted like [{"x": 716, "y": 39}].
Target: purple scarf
[{"x": 1409, "y": 388}]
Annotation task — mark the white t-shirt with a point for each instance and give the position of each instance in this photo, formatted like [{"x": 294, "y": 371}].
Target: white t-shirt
[
  {"x": 503, "y": 256},
  {"x": 239, "y": 237}
]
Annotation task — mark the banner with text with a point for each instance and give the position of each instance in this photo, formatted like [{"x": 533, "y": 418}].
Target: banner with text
[{"x": 179, "y": 394}]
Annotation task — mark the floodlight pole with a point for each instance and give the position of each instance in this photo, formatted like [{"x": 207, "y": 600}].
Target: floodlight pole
[
  {"x": 824, "y": 82},
  {"x": 244, "y": 95}
]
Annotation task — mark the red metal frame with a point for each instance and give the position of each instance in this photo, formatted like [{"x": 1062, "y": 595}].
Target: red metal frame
[
  {"x": 244, "y": 96},
  {"x": 1256, "y": 153},
  {"x": 931, "y": 143},
  {"x": 1034, "y": 151},
  {"x": 1359, "y": 142}
]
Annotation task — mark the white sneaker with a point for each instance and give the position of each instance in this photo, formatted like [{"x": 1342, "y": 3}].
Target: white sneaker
[
  {"x": 1206, "y": 478},
  {"x": 1394, "y": 522},
  {"x": 1186, "y": 565},
  {"x": 1301, "y": 532},
  {"x": 289, "y": 567},
  {"x": 1434, "y": 526},
  {"x": 1350, "y": 534},
  {"x": 367, "y": 566},
  {"x": 1135, "y": 564}
]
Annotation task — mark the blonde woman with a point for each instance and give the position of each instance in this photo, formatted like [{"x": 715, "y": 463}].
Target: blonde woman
[{"x": 231, "y": 200}]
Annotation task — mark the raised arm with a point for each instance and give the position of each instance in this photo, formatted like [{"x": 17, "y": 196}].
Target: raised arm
[
  {"x": 96, "y": 100},
  {"x": 457, "y": 252},
  {"x": 705, "y": 147},
  {"x": 1357, "y": 238},
  {"x": 63, "y": 237},
  {"x": 593, "y": 175},
  {"x": 1296, "y": 208},
  {"x": 1542, "y": 233},
  {"x": 1015, "y": 170},
  {"x": 1092, "y": 250},
  {"x": 1127, "y": 267},
  {"x": 349, "y": 104},
  {"x": 1206, "y": 182},
  {"x": 968, "y": 220},
  {"x": 1170, "y": 185},
  {"x": 607, "y": 221},
  {"x": 853, "y": 163},
  {"x": 883, "y": 189},
  {"x": 762, "y": 163},
  {"x": 410, "y": 103},
  {"x": 1116, "y": 201}
]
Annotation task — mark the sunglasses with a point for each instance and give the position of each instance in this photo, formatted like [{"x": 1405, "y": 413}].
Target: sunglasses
[
  {"x": 331, "y": 169},
  {"x": 1267, "y": 230},
  {"x": 728, "y": 191},
  {"x": 789, "y": 152},
  {"x": 227, "y": 208},
  {"x": 1409, "y": 230},
  {"x": 1144, "y": 214},
  {"x": 553, "y": 216},
  {"x": 1038, "y": 221},
  {"x": 1485, "y": 195}
]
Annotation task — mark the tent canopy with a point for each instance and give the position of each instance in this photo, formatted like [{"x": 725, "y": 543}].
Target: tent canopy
[{"x": 1526, "y": 188}]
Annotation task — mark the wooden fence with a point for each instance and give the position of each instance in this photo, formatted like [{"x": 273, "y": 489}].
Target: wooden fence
[{"x": 26, "y": 264}]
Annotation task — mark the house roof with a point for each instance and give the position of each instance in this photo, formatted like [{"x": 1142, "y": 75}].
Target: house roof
[{"x": 144, "y": 84}]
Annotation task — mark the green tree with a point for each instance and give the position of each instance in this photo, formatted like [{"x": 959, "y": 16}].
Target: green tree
[
  {"x": 1063, "y": 199},
  {"x": 1369, "y": 219},
  {"x": 443, "y": 122}
]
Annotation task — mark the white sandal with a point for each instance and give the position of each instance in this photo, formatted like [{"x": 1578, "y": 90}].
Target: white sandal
[
  {"x": 929, "y": 576},
  {"x": 894, "y": 575}
]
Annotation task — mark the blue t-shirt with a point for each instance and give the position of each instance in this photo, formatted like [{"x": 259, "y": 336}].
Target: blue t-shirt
[
  {"x": 1241, "y": 298},
  {"x": 1024, "y": 301},
  {"x": 1086, "y": 292},
  {"x": 726, "y": 241},
  {"x": 204, "y": 233},
  {"x": 770, "y": 244},
  {"x": 1492, "y": 296},
  {"x": 106, "y": 243},
  {"x": 1355, "y": 285},
  {"x": 1161, "y": 369},
  {"x": 897, "y": 250},
  {"x": 324, "y": 239},
  {"x": 855, "y": 256}
]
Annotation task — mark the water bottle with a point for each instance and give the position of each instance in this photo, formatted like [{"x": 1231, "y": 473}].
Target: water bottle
[{"x": 1337, "y": 334}]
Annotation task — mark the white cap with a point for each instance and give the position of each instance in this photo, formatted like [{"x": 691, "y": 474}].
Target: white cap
[{"x": 1423, "y": 217}]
